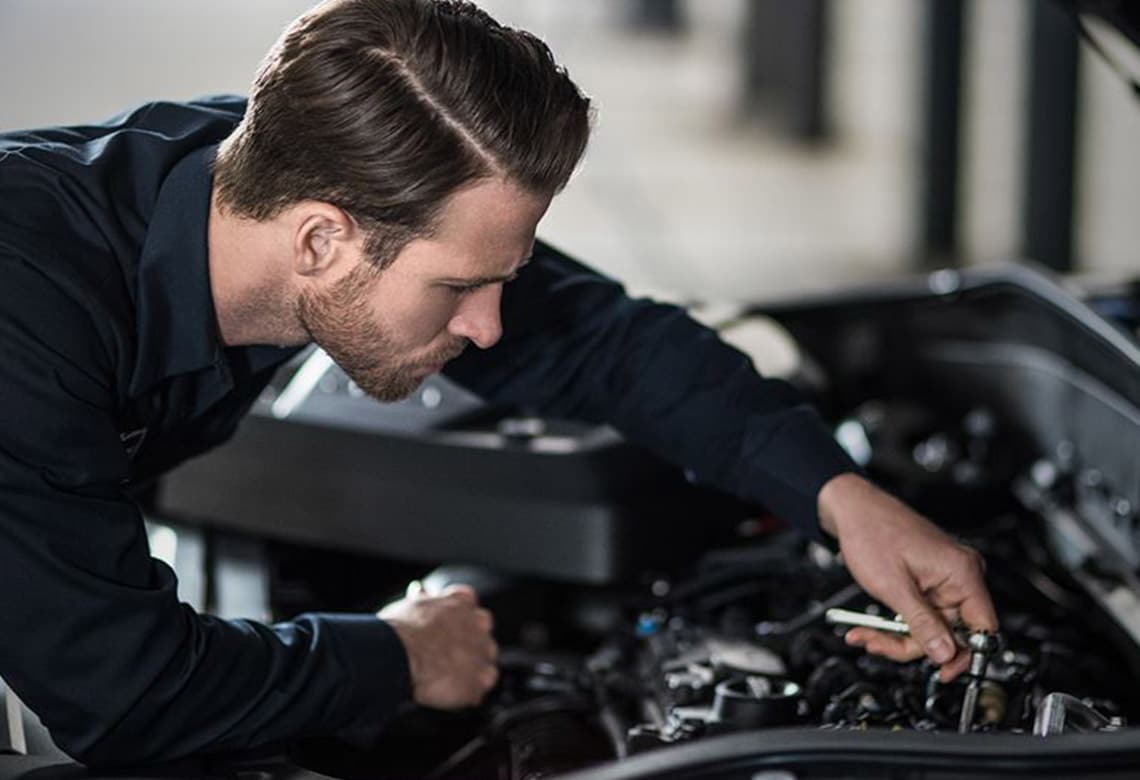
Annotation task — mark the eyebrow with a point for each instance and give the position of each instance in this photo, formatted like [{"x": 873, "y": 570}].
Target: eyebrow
[{"x": 480, "y": 281}]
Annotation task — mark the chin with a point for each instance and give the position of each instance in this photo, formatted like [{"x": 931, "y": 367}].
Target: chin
[{"x": 392, "y": 391}]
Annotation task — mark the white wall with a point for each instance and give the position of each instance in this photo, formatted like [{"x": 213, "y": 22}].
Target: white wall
[
  {"x": 676, "y": 195},
  {"x": 67, "y": 61}
]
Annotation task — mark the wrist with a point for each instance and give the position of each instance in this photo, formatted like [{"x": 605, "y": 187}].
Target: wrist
[{"x": 838, "y": 493}]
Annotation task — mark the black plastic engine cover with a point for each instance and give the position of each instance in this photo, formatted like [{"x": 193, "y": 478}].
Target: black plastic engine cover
[{"x": 579, "y": 505}]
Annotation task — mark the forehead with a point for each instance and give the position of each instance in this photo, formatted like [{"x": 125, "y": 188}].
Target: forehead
[{"x": 483, "y": 229}]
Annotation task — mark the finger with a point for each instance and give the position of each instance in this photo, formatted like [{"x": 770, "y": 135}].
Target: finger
[
  {"x": 474, "y": 695},
  {"x": 487, "y": 678},
  {"x": 903, "y": 649},
  {"x": 927, "y": 628},
  {"x": 484, "y": 619},
  {"x": 978, "y": 612},
  {"x": 893, "y": 646},
  {"x": 949, "y": 671},
  {"x": 492, "y": 651},
  {"x": 977, "y": 609},
  {"x": 464, "y": 592}
]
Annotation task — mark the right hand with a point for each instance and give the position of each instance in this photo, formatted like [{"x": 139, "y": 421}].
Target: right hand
[
  {"x": 912, "y": 566},
  {"x": 451, "y": 654}
]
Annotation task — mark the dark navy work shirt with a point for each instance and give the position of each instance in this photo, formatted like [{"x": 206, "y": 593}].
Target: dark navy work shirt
[{"x": 112, "y": 372}]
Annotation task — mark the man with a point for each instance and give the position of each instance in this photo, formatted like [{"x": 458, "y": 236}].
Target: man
[{"x": 377, "y": 196}]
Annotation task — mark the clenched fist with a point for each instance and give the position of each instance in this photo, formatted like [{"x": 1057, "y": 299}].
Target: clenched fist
[{"x": 451, "y": 654}]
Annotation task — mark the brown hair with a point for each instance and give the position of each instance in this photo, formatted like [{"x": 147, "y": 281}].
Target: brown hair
[{"x": 384, "y": 108}]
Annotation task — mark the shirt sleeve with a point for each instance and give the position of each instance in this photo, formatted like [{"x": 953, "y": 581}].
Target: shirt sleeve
[
  {"x": 576, "y": 346},
  {"x": 94, "y": 639}
]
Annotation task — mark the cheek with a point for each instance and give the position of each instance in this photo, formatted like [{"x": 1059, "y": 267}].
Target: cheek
[{"x": 421, "y": 322}]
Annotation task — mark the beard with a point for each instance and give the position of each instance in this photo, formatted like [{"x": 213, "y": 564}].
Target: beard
[{"x": 341, "y": 324}]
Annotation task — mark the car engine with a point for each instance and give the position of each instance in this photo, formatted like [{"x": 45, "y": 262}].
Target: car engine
[
  {"x": 740, "y": 641},
  {"x": 652, "y": 629}
]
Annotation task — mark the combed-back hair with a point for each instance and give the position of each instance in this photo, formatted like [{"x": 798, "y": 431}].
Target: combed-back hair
[{"x": 384, "y": 108}]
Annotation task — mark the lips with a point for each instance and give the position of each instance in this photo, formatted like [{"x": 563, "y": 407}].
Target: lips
[
  {"x": 436, "y": 365},
  {"x": 452, "y": 355}
]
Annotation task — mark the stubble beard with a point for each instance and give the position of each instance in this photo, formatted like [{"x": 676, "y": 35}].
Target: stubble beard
[{"x": 340, "y": 323}]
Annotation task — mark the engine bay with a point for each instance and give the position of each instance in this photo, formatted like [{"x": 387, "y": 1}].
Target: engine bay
[
  {"x": 649, "y": 630},
  {"x": 739, "y": 641}
]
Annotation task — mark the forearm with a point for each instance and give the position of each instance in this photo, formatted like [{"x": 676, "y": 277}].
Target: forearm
[
  {"x": 239, "y": 684},
  {"x": 146, "y": 679},
  {"x": 97, "y": 644},
  {"x": 576, "y": 346}
]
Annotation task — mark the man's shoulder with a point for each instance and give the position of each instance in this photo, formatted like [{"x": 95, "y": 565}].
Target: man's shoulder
[
  {"x": 176, "y": 118},
  {"x": 213, "y": 115},
  {"x": 87, "y": 192}
]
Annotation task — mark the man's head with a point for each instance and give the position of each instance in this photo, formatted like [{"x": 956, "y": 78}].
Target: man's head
[
  {"x": 390, "y": 330},
  {"x": 370, "y": 122}
]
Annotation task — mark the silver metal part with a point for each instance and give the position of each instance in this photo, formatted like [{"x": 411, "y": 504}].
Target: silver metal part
[
  {"x": 1060, "y": 712},
  {"x": 744, "y": 656},
  {"x": 969, "y": 707},
  {"x": 847, "y": 617},
  {"x": 982, "y": 645}
]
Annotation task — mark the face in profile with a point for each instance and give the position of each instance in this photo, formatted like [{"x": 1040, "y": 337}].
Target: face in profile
[{"x": 390, "y": 329}]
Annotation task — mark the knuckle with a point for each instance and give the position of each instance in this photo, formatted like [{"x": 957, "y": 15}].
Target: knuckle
[
  {"x": 922, "y": 624},
  {"x": 971, "y": 559},
  {"x": 458, "y": 593}
]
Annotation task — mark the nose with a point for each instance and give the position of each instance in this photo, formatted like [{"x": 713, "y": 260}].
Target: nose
[{"x": 477, "y": 318}]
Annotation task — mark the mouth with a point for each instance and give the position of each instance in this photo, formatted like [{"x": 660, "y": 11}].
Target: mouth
[
  {"x": 436, "y": 365},
  {"x": 450, "y": 356}
]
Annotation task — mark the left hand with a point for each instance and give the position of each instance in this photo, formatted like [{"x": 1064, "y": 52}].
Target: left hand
[{"x": 909, "y": 564}]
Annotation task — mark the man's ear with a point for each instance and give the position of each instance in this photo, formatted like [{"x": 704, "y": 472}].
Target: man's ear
[{"x": 323, "y": 235}]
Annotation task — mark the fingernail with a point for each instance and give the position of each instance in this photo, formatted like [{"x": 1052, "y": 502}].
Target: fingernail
[{"x": 940, "y": 650}]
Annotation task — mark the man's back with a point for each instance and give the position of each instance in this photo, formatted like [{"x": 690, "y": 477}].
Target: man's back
[{"x": 113, "y": 372}]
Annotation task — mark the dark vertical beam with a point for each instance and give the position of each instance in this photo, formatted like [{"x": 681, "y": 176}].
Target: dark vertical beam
[
  {"x": 942, "y": 123},
  {"x": 1051, "y": 137},
  {"x": 665, "y": 16},
  {"x": 785, "y": 64}
]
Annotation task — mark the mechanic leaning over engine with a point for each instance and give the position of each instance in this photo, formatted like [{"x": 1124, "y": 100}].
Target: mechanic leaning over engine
[{"x": 377, "y": 194}]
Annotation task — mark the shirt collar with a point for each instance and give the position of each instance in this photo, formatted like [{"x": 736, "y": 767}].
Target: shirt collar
[{"x": 177, "y": 325}]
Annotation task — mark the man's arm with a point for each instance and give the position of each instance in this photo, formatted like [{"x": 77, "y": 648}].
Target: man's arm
[
  {"x": 92, "y": 636},
  {"x": 574, "y": 345}
]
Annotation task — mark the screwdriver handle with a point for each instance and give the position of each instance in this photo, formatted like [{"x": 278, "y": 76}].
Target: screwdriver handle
[{"x": 847, "y": 617}]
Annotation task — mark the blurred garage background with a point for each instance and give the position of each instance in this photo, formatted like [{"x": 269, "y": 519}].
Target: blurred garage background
[{"x": 745, "y": 149}]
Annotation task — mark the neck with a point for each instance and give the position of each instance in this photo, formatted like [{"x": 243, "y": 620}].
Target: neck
[{"x": 251, "y": 296}]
